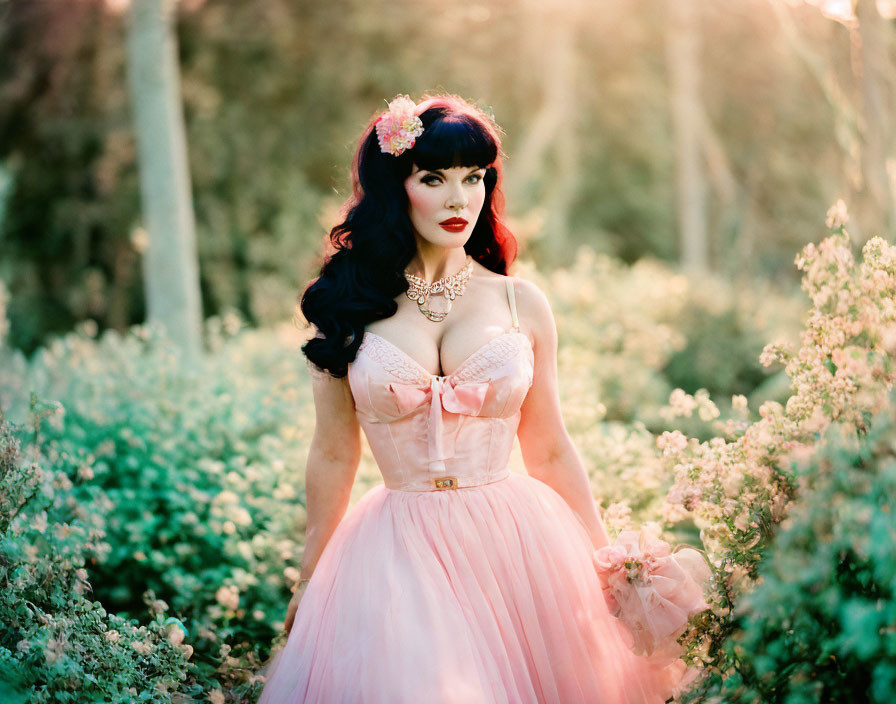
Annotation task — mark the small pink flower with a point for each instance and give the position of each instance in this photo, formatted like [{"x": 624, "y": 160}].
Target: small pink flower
[
  {"x": 175, "y": 634},
  {"x": 54, "y": 650},
  {"x": 228, "y": 597},
  {"x": 672, "y": 441},
  {"x": 610, "y": 558},
  {"x": 142, "y": 647},
  {"x": 769, "y": 355},
  {"x": 837, "y": 215}
]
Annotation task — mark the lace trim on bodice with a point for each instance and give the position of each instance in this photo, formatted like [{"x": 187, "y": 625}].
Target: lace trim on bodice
[
  {"x": 391, "y": 359},
  {"x": 494, "y": 353},
  {"x": 500, "y": 349}
]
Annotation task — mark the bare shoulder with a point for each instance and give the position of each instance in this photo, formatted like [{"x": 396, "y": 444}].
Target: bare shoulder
[
  {"x": 533, "y": 308},
  {"x": 321, "y": 378}
]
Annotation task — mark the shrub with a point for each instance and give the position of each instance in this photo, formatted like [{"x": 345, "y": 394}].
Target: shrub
[
  {"x": 202, "y": 476},
  {"x": 56, "y": 644},
  {"x": 820, "y": 625},
  {"x": 738, "y": 487}
]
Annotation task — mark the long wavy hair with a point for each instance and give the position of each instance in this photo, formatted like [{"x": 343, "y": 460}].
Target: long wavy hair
[{"x": 363, "y": 273}]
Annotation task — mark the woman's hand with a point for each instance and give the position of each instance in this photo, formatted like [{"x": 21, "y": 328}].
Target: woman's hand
[
  {"x": 612, "y": 604},
  {"x": 294, "y": 606},
  {"x": 606, "y": 590}
]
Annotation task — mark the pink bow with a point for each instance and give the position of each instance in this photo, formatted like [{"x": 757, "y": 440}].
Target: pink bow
[{"x": 465, "y": 398}]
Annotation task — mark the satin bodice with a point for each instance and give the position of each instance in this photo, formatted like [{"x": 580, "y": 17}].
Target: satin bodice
[
  {"x": 422, "y": 426},
  {"x": 425, "y": 428}
]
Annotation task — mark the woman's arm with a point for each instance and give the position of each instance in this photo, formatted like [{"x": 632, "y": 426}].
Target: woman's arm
[
  {"x": 332, "y": 463},
  {"x": 547, "y": 449}
]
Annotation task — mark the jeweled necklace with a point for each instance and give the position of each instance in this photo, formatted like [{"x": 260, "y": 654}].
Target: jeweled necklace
[{"x": 450, "y": 287}]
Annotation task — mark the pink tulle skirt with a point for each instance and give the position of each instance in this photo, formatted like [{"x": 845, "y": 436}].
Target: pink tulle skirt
[{"x": 479, "y": 595}]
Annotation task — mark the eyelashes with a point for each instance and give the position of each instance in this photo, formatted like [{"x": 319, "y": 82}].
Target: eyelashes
[{"x": 431, "y": 179}]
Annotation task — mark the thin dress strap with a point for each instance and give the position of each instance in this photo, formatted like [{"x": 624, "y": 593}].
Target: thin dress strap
[{"x": 512, "y": 301}]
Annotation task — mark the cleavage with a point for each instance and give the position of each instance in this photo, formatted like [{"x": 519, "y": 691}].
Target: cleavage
[{"x": 474, "y": 351}]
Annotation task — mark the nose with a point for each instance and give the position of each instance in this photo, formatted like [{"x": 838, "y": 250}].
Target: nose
[{"x": 456, "y": 199}]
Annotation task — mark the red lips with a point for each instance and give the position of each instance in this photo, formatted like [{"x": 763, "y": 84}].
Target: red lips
[{"x": 453, "y": 224}]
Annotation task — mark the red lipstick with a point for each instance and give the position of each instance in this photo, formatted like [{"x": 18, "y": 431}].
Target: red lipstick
[{"x": 453, "y": 224}]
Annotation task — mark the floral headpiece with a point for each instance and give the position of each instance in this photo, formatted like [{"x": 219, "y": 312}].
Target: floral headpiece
[{"x": 398, "y": 127}]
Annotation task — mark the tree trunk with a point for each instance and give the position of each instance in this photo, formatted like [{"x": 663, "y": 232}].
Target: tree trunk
[
  {"x": 682, "y": 53},
  {"x": 170, "y": 266},
  {"x": 545, "y": 165},
  {"x": 879, "y": 102}
]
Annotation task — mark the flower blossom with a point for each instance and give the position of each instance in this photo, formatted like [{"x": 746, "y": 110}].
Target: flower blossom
[{"x": 399, "y": 127}]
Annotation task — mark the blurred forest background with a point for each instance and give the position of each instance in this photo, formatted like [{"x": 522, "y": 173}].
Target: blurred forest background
[{"x": 710, "y": 134}]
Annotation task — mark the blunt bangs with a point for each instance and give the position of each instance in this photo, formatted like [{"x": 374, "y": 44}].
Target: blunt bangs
[{"x": 454, "y": 140}]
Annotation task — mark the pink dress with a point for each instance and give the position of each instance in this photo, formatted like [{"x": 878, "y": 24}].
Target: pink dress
[{"x": 456, "y": 581}]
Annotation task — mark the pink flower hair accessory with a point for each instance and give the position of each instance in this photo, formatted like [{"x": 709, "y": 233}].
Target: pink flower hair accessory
[{"x": 398, "y": 128}]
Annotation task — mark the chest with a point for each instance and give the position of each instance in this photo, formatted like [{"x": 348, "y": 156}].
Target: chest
[
  {"x": 441, "y": 349},
  {"x": 493, "y": 380}
]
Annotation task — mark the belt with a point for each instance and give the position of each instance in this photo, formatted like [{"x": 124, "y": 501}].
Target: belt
[{"x": 447, "y": 483}]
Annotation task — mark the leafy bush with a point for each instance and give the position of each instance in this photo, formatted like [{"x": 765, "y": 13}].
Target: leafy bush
[
  {"x": 630, "y": 334},
  {"x": 202, "y": 471},
  {"x": 202, "y": 475},
  {"x": 820, "y": 625},
  {"x": 721, "y": 354},
  {"x": 56, "y": 644},
  {"x": 738, "y": 487}
]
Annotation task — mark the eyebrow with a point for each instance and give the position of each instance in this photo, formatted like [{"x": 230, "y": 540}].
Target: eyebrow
[{"x": 442, "y": 173}]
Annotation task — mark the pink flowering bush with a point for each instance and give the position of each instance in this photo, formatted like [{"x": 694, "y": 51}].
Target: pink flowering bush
[
  {"x": 624, "y": 330},
  {"x": 819, "y": 627},
  {"x": 739, "y": 486}
]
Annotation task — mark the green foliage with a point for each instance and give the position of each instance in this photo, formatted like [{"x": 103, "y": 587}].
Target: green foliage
[
  {"x": 630, "y": 334},
  {"x": 201, "y": 515},
  {"x": 200, "y": 473},
  {"x": 56, "y": 644},
  {"x": 819, "y": 627},
  {"x": 721, "y": 354}
]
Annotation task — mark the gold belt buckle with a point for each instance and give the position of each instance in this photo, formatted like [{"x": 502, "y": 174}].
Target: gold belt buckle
[{"x": 445, "y": 483}]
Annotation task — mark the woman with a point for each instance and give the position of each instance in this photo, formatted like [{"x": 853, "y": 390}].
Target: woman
[{"x": 455, "y": 580}]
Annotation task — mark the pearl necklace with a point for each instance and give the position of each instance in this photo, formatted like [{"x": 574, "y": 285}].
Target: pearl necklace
[{"x": 450, "y": 287}]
